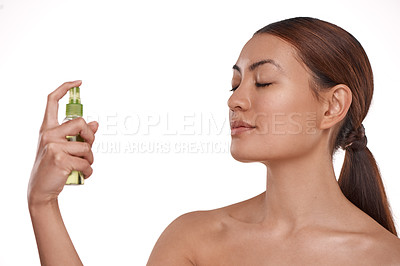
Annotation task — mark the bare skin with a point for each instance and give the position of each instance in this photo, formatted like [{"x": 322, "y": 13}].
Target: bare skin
[
  {"x": 233, "y": 235},
  {"x": 303, "y": 218}
]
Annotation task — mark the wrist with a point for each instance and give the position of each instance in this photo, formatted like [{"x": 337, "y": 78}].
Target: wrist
[{"x": 40, "y": 202}]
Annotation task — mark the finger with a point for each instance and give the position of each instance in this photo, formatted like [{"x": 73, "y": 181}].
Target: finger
[
  {"x": 79, "y": 149},
  {"x": 54, "y": 134},
  {"x": 94, "y": 125},
  {"x": 74, "y": 127},
  {"x": 51, "y": 113},
  {"x": 79, "y": 164}
]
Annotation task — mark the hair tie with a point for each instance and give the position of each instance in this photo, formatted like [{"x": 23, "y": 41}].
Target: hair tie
[{"x": 358, "y": 140}]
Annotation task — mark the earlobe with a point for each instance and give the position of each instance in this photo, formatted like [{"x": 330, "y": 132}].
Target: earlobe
[{"x": 336, "y": 104}]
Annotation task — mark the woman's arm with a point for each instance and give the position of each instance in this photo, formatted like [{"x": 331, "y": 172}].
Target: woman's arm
[
  {"x": 54, "y": 244},
  {"x": 56, "y": 157}
]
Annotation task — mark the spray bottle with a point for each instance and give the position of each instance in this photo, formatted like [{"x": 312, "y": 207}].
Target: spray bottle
[{"x": 74, "y": 109}]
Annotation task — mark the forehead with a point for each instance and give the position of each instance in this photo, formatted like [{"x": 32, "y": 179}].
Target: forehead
[{"x": 265, "y": 46}]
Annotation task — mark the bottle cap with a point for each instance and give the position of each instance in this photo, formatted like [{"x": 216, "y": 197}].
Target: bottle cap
[{"x": 74, "y": 107}]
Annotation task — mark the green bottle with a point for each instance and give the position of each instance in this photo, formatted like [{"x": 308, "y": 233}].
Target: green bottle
[{"x": 74, "y": 110}]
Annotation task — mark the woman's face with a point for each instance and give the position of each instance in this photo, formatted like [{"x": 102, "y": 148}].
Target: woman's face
[{"x": 272, "y": 95}]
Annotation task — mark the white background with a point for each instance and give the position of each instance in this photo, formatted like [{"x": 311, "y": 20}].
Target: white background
[{"x": 149, "y": 59}]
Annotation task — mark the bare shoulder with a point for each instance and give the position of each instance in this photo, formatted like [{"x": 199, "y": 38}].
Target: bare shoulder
[
  {"x": 379, "y": 247},
  {"x": 174, "y": 246},
  {"x": 182, "y": 238},
  {"x": 386, "y": 246},
  {"x": 185, "y": 237}
]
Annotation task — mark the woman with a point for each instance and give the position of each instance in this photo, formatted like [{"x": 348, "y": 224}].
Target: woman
[{"x": 301, "y": 89}]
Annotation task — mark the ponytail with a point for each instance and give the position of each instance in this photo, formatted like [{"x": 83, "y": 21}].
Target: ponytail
[{"x": 360, "y": 179}]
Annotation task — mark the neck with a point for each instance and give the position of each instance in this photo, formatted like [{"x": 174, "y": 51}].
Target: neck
[{"x": 302, "y": 191}]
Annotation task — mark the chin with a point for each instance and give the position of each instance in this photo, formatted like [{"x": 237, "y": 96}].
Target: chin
[{"x": 244, "y": 155}]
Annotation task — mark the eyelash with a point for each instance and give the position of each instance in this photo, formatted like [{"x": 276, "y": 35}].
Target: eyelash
[{"x": 258, "y": 85}]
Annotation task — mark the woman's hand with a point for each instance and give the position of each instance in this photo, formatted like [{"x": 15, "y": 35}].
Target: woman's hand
[{"x": 56, "y": 157}]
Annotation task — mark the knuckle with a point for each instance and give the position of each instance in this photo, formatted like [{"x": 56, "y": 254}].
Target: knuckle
[
  {"x": 50, "y": 97},
  {"x": 80, "y": 120},
  {"x": 88, "y": 171},
  {"x": 65, "y": 172},
  {"x": 45, "y": 138},
  {"x": 52, "y": 151},
  {"x": 50, "y": 147},
  {"x": 59, "y": 158},
  {"x": 86, "y": 147},
  {"x": 81, "y": 124}
]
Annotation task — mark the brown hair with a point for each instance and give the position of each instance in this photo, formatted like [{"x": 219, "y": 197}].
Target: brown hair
[{"x": 334, "y": 56}]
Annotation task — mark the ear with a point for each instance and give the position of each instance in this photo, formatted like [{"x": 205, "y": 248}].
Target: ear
[{"x": 336, "y": 103}]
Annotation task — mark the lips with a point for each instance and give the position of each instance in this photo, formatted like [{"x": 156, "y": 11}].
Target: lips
[{"x": 239, "y": 126}]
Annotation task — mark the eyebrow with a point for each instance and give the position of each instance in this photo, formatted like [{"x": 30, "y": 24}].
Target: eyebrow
[{"x": 253, "y": 66}]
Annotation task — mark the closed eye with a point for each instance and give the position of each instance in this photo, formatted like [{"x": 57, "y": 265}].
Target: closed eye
[
  {"x": 263, "y": 84},
  {"x": 259, "y": 85}
]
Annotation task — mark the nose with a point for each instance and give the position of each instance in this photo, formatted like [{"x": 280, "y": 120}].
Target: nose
[{"x": 239, "y": 100}]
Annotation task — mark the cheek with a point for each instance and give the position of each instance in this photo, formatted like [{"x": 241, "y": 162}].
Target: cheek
[
  {"x": 290, "y": 112},
  {"x": 286, "y": 126}
]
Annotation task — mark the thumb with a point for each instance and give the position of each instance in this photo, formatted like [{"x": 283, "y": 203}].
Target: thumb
[{"x": 94, "y": 126}]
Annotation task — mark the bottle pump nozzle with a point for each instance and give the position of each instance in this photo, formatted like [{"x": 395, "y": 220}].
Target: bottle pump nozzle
[{"x": 74, "y": 107}]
